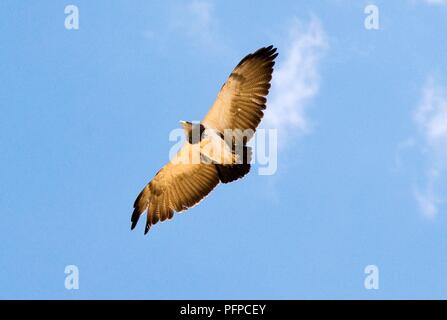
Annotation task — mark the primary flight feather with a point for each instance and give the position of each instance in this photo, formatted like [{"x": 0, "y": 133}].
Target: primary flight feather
[{"x": 239, "y": 106}]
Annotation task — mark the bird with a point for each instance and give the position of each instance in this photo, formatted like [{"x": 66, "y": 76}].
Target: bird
[{"x": 238, "y": 108}]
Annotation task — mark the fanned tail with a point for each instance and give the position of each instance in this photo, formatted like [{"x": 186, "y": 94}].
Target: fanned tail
[{"x": 229, "y": 173}]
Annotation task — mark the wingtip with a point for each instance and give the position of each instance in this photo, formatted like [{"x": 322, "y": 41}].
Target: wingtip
[
  {"x": 273, "y": 52},
  {"x": 148, "y": 225},
  {"x": 134, "y": 219},
  {"x": 269, "y": 52}
]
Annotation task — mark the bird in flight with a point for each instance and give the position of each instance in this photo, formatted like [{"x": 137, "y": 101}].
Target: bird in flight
[{"x": 208, "y": 156}]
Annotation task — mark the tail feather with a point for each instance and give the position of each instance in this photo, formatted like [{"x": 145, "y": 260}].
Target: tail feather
[{"x": 229, "y": 173}]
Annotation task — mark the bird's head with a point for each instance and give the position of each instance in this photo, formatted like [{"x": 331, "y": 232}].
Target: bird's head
[
  {"x": 186, "y": 125},
  {"x": 193, "y": 131}
]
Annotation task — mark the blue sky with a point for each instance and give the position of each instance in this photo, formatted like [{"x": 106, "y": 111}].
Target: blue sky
[{"x": 361, "y": 177}]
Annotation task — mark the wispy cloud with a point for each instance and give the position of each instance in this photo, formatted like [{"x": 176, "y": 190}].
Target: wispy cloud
[
  {"x": 428, "y": 199},
  {"x": 430, "y": 118},
  {"x": 197, "y": 21},
  {"x": 296, "y": 78}
]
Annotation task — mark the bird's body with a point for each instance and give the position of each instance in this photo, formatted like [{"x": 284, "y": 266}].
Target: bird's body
[
  {"x": 209, "y": 143},
  {"x": 215, "y": 149}
]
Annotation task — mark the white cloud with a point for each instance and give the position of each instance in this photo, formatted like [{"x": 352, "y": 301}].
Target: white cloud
[
  {"x": 430, "y": 118},
  {"x": 296, "y": 78},
  {"x": 428, "y": 199},
  {"x": 197, "y": 21}
]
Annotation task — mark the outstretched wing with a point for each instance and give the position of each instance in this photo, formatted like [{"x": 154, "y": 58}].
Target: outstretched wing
[
  {"x": 178, "y": 186},
  {"x": 241, "y": 101}
]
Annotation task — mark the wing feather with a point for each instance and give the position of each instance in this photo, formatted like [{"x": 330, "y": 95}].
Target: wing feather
[
  {"x": 176, "y": 187},
  {"x": 241, "y": 100}
]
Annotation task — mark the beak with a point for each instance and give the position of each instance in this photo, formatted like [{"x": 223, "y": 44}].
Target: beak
[{"x": 182, "y": 122}]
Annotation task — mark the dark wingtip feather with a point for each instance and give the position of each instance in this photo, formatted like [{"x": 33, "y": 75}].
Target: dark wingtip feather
[
  {"x": 146, "y": 229},
  {"x": 267, "y": 53},
  {"x": 134, "y": 219},
  {"x": 148, "y": 224},
  {"x": 264, "y": 52}
]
